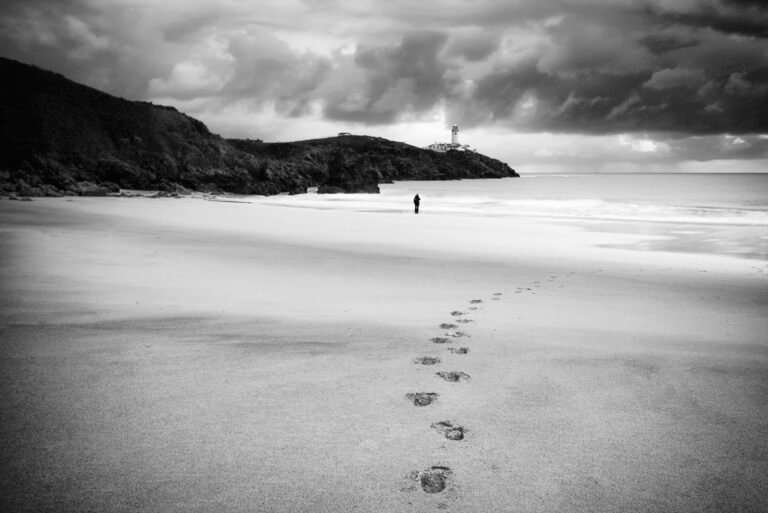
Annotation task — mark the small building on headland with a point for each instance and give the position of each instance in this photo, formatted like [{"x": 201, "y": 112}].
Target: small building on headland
[
  {"x": 342, "y": 134},
  {"x": 451, "y": 146}
]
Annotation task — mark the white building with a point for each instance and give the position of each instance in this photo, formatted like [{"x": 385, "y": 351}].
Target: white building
[{"x": 442, "y": 147}]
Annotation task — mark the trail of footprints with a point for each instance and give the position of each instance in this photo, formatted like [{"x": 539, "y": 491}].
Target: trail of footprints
[{"x": 436, "y": 479}]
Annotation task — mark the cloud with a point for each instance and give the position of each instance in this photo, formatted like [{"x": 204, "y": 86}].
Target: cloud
[
  {"x": 742, "y": 17},
  {"x": 473, "y": 45},
  {"x": 188, "y": 79},
  {"x": 111, "y": 46},
  {"x": 687, "y": 68},
  {"x": 718, "y": 147},
  {"x": 581, "y": 46},
  {"x": 677, "y": 77},
  {"x": 408, "y": 78}
]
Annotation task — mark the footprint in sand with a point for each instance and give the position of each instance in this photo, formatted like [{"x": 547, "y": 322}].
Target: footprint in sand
[
  {"x": 421, "y": 398},
  {"x": 449, "y": 430},
  {"x": 447, "y": 326},
  {"x": 464, "y": 321},
  {"x": 433, "y": 479},
  {"x": 473, "y": 308},
  {"x": 453, "y": 376},
  {"x": 427, "y": 360},
  {"x": 458, "y": 334},
  {"x": 457, "y": 313},
  {"x": 440, "y": 340},
  {"x": 475, "y": 301},
  {"x": 459, "y": 350}
]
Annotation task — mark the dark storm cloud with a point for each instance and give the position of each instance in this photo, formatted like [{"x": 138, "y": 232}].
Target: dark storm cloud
[
  {"x": 661, "y": 43},
  {"x": 744, "y": 17},
  {"x": 408, "y": 77},
  {"x": 39, "y": 31},
  {"x": 653, "y": 74},
  {"x": 670, "y": 99},
  {"x": 264, "y": 67},
  {"x": 590, "y": 66},
  {"x": 77, "y": 39},
  {"x": 473, "y": 46},
  {"x": 587, "y": 67}
]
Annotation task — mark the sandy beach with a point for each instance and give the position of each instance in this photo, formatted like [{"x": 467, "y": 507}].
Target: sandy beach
[{"x": 189, "y": 355}]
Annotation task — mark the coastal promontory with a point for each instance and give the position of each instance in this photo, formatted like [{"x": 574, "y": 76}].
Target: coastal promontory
[{"x": 64, "y": 138}]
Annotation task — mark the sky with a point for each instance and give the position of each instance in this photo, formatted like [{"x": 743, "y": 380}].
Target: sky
[{"x": 557, "y": 86}]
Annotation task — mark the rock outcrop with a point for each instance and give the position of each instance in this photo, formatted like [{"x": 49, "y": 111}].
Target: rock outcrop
[{"x": 60, "y": 137}]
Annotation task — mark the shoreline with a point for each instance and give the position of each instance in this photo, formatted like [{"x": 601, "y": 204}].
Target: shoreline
[{"x": 169, "y": 355}]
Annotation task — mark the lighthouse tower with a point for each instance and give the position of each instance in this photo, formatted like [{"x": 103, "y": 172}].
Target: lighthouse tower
[
  {"x": 454, "y": 145},
  {"x": 455, "y": 134}
]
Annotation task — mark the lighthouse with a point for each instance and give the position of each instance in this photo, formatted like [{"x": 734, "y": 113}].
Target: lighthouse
[{"x": 454, "y": 145}]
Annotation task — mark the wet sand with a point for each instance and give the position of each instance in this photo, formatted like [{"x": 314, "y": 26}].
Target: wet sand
[{"x": 187, "y": 355}]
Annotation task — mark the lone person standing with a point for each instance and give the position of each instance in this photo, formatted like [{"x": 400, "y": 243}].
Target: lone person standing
[{"x": 416, "y": 201}]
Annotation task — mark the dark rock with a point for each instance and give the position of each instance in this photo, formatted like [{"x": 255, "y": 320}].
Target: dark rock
[
  {"x": 51, "y": 191},
  {"x": 330, "y": 189},
  {"x": 92, "y": 189},
  {"x": 370, "y": 188},
  {"x": 165, "y": 194},
  {"x": 25, "y": 189},
  {"x": 174, "y": 189}
]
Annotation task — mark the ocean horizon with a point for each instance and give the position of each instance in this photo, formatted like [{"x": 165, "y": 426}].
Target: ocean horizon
[{"x": 717, "y": 213}]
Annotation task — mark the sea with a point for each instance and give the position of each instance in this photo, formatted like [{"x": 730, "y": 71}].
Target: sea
[{"x": 723, "y": 214}]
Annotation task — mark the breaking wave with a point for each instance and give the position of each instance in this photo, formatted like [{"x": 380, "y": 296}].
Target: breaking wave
[{"x": 589, "y": 209}]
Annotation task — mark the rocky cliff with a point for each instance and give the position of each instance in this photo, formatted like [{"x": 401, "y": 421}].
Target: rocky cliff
[{"x": 61, "y": 137}]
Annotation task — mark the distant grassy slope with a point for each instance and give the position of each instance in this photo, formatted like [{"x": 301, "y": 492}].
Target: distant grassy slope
[{"x": 58, "y": 136}]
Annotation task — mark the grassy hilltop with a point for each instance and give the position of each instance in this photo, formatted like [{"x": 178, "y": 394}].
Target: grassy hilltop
[{"x": 61, "y": 137}]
